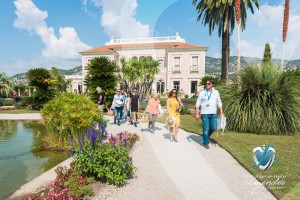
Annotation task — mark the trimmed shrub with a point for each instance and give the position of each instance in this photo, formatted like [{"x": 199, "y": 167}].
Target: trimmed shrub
[
  {"x": 218, "y": 81},
  {"x": 185, "y": 110},
  {"x": 69, "y": 113},
  {"x": 266, "y": 102},
  {"x": 8, "y": 102}
]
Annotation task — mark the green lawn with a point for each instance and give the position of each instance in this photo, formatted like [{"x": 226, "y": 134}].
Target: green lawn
[
  {"x": 240, "y": 146},
  {"x": 18, "y": 111}
]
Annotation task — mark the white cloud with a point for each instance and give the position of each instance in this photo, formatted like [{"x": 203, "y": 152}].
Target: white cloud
[
  {"x": 118, "y": 18},
  {"x": 32, "y": 19},
  {"x": 266, "y": 26},
  {"x": 24, "y": 65}
]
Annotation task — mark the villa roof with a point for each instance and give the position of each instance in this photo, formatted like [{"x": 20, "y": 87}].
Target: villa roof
[{"x": 158, "y": 45}]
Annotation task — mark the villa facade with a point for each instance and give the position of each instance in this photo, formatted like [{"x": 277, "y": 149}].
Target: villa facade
[{"x": 182, "y": 65}]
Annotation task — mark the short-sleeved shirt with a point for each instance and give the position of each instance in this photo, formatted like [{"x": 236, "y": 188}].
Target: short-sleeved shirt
[
  {"x": 208, "y": 101},
  {"x": 102, "y": 100},
  {"x": 153, "y": 106}
]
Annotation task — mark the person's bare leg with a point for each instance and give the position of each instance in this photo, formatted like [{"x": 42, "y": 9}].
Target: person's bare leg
[
  {"x": 170, "y": 131},
  {"x": 176, "y": 132}
]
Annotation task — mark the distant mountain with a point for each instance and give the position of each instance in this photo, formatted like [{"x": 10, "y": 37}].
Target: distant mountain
[
  {"x": 20, "y": 79},
  {"x": 213, "y": 65}
]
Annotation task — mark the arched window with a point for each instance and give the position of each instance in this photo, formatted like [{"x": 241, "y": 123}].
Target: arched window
[
  {"x": 141, "y": 57},
  {"x": 160, "y": 86},
  {"x": 134, "y": 58},
  {"x": 150, "y": 57},
  {"x": 79, "y": 87}
]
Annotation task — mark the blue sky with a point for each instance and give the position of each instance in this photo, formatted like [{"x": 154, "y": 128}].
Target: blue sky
[{"x": 45, "y": 33}]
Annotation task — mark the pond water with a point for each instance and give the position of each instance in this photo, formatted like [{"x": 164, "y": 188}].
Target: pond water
[{"x": 21, "y": 156}]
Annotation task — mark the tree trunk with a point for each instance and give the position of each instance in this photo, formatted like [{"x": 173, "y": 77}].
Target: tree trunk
[
  {"x": 225, "y": 48},
  {"x": 225, "y": 56},
  {"x": 239, "y": 56}
]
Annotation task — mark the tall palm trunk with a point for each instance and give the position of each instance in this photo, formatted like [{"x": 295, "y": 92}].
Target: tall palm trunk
[
  {"x": 239, "y": 55},
  {"x": 225, "y": 47},
  {"x": 237, "y": 4}
]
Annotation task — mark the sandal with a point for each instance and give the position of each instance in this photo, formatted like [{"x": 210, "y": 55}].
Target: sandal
[{"x": 176, "y": 139}]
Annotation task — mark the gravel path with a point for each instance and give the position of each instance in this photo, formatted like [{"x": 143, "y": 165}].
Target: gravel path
[
  {"x": 25, "y": 116},
  {"x": 183, "y": 170}
]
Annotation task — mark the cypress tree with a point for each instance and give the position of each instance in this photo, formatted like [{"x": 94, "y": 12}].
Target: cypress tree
[{"x": 267, "y": 55}]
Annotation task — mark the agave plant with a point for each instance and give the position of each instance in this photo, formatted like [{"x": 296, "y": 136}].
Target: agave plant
[{"x": 267, "y": 101}]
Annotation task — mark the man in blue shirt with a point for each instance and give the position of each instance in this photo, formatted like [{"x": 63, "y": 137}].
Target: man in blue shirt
[{"x": 207, "y": 102}]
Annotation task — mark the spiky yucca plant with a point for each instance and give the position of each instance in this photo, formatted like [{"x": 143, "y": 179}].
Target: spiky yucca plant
[{"x": 267, "y": 102}]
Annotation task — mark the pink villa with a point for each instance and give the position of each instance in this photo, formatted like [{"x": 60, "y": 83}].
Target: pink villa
[{"x": 182, "y": 65}]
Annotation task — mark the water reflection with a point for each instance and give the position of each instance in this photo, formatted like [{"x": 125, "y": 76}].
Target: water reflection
[
  {"x": 8, "y": 129},
  {"x": 22, "y": 157}
]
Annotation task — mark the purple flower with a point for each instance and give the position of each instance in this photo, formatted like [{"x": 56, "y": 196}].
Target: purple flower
[
  {"x": 72, "y": 141},
  {"x": 92, "y": 135},
  {"x": 121, "y": 136},
  {"x": 130, "y": 159},
  {"x": 125, "y": 142},
  {"x": 70, "y": 154},
  {"x": 91, "y": 158},
  {"x": 110, "y": 168}
]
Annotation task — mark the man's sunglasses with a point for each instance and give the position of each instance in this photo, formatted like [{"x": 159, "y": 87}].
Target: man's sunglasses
[{"x": 207, "y": 83}]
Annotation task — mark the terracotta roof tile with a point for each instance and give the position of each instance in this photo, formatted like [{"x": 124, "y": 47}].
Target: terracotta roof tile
[{"x": 167, "y": 45}]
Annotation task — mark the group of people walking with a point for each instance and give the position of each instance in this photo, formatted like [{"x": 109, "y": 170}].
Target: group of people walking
[{"x": 127, "y": 105}]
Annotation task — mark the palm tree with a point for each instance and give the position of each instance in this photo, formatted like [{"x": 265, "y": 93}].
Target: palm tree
[
  {"x": 221, "y": 14},
  {"x": 6, "y": 84},
  {"x": 237, "y": 5},
  {"x": 102, "y": 73},
  {"x": 285, "y": 26},
  {"x": 140, "y": 74}
]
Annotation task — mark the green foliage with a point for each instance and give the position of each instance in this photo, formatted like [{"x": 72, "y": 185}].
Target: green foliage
[
  {"x": 268, "y": 101},
  {"x": 8, "y": 102},
  {"x": 69, "y": 184},
  {"x": 61, "y": 83},
  {"x": 105, "y": 162},
  {"x": 185, "y": 110},
  {"x": 184, "y": 101},
  {"x": 142, "y": 107},
  {"x": 6, "y": 85},
  {"x": 41, "y": 79},
  {"x": 102, "y": 73},
  {"x": 139, "y": 74},
  {"x": 27, "y": 101},
  {"x": 69, "y": 113},
  {"x": 42, "y": 96},
  {"x": 218, "y": 81},
  {"x": 267, "y": 59}
]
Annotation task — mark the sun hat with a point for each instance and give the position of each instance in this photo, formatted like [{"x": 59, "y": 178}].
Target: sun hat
[{"x": 170, "y": 121}]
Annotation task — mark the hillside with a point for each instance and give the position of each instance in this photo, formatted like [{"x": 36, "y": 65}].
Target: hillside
[
  {"x": 212, "y": 67},
  {"x": 20, "y": 79}
]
